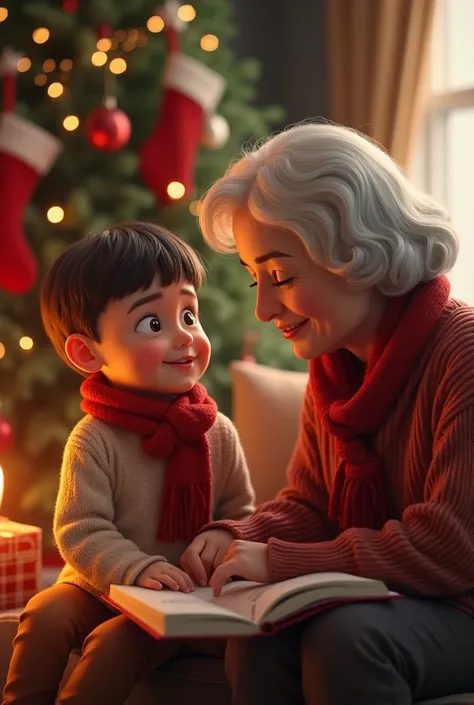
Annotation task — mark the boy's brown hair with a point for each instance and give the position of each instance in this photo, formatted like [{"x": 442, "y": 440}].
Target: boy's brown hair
[{"x": 105, "y": 267}]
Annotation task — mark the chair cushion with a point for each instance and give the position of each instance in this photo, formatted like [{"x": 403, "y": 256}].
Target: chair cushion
[{"x": 266, "y": 412}]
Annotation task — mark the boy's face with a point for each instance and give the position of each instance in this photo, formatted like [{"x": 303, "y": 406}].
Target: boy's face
[{"x": 152, "y": 341}]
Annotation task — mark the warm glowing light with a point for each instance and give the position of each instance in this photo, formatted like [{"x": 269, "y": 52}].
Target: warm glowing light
[
  {"x": 186, "y": 13},
  {"x": 71, "y": 123},
  {"x": 3, "y": 14},
  {"x": 175, "y": 190},
  {"x": 49, "y": 65},
  {"x": 26, "y": 343},
  {"x": 155, "y": 24},
  {"x": 127, "y": 45},
  {"x": 118, "y": 65},
  {"x": 23, "y": 65},
  {"x": 41, "y": 79},
  {"x": 104, "y": 44},
  {"x": 99, "y": 58},
  {"x": 2, "y": 350},
  {"x": 55, "y": 214},
  {"x": 209, "y": 42},
  {"x": 194, "y": 207},
  {"x": 133, "y": 35},
  {"x": 41, "y": 35},
  {"x": 55, "y": 90},
  {"x": 2, "y": 485},
  {"x": 66, "y": 65}
]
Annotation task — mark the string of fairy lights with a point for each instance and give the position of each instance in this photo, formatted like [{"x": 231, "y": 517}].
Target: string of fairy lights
[{"x": 120, "y": 40}]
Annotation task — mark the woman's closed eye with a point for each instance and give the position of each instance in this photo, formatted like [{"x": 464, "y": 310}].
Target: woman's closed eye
[{"x": 282, "y": 282}]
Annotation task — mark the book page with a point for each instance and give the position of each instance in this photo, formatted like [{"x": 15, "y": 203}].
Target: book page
[
  {"x": 170, "y": 602},
  {"x": 259, "y": 602},
  {"x": 170, "y": 613}
]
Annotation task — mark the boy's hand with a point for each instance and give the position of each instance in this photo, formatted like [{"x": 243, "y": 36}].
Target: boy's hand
[
  {"x": 162, "y": 574},
  {"x": 205, "y": 554}
]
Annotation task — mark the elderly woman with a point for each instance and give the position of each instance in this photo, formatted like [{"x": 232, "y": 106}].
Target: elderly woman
[{"x": 348, "y": 260}]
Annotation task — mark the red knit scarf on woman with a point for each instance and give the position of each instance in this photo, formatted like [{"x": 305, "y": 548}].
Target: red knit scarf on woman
[
  {"x": 175, "y": 431},
  {"x": 352, "y": 405}
]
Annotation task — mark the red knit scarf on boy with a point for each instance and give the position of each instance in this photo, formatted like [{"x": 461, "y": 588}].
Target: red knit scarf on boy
[
  {"x": 173, "y": 431},
  {"x": 352, "y": 405}
]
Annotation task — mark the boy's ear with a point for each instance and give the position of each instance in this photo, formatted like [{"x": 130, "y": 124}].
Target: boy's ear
[{"x": 82, "y": 352}]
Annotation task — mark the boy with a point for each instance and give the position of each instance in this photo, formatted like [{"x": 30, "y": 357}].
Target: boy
[{"x": 147, "y": 466}]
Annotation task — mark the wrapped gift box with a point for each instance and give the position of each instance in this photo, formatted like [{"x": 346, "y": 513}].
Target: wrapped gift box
[{"x": 20, "y": 563}]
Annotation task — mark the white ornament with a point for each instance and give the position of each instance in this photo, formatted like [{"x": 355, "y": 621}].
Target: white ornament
[
  {"x": 216, "y": 133},
  {"x": 169, "y": 14}
]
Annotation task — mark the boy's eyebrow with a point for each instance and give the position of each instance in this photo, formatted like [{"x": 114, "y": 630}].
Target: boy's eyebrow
[{"x": 186, "y": 291}]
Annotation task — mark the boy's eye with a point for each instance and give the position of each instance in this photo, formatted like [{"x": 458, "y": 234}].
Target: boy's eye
[
  {"x": 188, "y": 317},
  {"x": 148, "y": 325}
]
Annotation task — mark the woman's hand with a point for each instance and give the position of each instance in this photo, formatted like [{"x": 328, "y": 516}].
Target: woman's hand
[
  {"x": 244, "y": 559},
  {"x": 205, "y": 553}
]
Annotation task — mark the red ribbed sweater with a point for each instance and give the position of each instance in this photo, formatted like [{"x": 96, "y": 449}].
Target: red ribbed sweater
[{"x": 427, "y": 444}]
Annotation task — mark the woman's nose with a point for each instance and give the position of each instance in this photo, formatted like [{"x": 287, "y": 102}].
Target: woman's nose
[{"x": 267, "y": 306}]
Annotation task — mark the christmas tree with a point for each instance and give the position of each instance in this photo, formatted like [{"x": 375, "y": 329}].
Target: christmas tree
[{"x": 68, "y": 54}]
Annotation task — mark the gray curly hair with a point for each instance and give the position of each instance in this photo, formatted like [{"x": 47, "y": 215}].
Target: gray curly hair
[{"x": 352, "y": 206}]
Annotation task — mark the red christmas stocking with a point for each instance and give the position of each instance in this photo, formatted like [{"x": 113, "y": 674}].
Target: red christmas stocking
[
  {"x": 26, "y": 153},
  {"x": 191, "y": 90}
]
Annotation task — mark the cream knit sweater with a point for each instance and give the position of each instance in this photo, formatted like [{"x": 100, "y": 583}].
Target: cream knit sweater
[{"x": 109, "y": 499}]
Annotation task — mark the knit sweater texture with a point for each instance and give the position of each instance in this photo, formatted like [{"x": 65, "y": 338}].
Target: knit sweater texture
[
  {"x": 426, "y": 548},
  {"x": 107, "y": 510}
]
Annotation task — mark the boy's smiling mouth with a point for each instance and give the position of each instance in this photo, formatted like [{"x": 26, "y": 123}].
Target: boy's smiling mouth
[{"x": 188, "y": 360}]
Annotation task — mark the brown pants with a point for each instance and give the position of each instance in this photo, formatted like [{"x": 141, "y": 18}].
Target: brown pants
[{"x": 116, "y": 653}]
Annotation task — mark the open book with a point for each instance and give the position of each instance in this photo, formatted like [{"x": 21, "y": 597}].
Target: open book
[{"x": 243, "y": 608}]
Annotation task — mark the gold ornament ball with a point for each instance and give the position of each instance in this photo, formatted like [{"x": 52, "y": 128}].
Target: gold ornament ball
[{"x": 217, "y": 132}]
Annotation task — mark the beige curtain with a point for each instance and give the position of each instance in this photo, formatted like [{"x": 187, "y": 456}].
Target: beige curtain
[{"x": 378, "y": 60}]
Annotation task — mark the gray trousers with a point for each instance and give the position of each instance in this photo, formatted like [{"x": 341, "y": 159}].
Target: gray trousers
[{"x": 385, "y": 653}]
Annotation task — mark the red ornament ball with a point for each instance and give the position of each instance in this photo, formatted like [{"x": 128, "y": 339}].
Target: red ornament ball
[
  {"x": 107, "y": 129},
  {"x": 6, "y": 435}
]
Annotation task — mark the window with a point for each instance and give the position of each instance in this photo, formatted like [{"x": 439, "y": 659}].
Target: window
[{"x": 445, "y": 162}]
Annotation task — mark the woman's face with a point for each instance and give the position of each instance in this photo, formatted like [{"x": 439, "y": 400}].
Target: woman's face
[{"x": 314, "y": 309}]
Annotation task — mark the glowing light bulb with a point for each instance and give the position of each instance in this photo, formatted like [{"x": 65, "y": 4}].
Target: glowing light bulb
[
  {"x": 41, "y": 35},
  {"x": 49, "y": 65},
  {"x": 55, "y": 214},
  {"x": 3, "y": 14},
  {"x": 155, "y": 24},
  {"x": 71, "y": 123},
  {"x": 118, "y": 65},
  {"x": 99, "y": 58},
  {"x": 175, "y": 190},
  {"x": 209, "y": 42},
  {"x": 194, "y": 208},
  {"x": 41, "y": 79},
  {"x": 186, "y": 13},
  {"x": 104, "y": 44},
  {"x": 23, "y": 65},
  {"x": 55, "y": 90},
  {"x": 3, "y": 350},
  {"x": 26, "y": 343},
  {"x": 66, "y": 65}
]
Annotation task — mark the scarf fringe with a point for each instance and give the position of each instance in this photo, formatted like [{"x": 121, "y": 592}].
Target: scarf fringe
[{"x": 184, "y": 525}]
